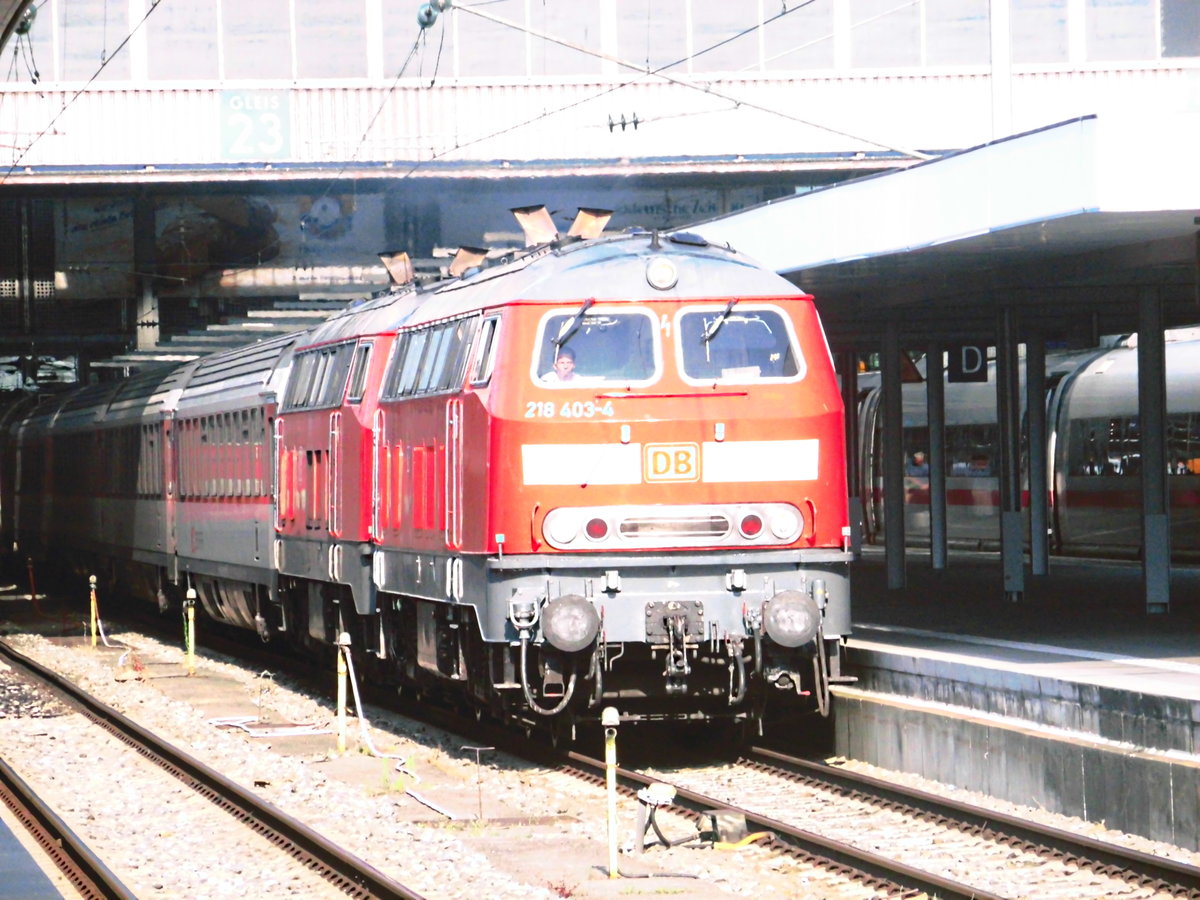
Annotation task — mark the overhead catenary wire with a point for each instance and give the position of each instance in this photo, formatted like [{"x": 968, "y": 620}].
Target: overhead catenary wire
[
  {"x": 105, "y": 60},
  {"x": 706, "y": 88}
]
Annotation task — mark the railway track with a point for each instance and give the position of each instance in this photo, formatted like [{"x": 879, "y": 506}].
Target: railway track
[
  {"x": 308, "y": 849},
  {"x": 68, "y": 852},
  {"x": 894, "y": 840},
  {"x": 1135, "y": 866},
  {"x": 903, "y": 840}
]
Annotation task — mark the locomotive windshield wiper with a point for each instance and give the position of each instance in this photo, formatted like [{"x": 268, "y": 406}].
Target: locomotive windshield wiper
[
  {"x": 572, "y": 325},
  {"x": 711, "y": 331}
]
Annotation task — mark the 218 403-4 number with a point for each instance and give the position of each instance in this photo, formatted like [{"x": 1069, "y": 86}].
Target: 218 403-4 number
[{"x": 568, "y": 409}]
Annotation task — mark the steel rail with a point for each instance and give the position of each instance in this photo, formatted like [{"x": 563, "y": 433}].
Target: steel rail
[
  {"x": 1069, "y": 844},
  {"x": 65, "y": 849},
  {"x": 354, "y": 876},
  {"x": 842, "y": 854}
]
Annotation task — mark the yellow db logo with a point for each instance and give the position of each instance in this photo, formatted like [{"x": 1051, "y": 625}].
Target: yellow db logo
[{"x": 671, "y": 462}]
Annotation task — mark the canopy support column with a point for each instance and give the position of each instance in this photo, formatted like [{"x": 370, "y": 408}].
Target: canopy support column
[
  {"x": 1035, "y": 406},
  {"x": 935, "y": 402},
  {"x": 1008, "y": 408},
  {"x": 1152, "y": 428},
  {"x": 893, "y": 458}
]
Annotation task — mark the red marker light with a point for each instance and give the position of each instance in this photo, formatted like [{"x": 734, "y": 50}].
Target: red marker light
[{"x": 750, "y": 526}]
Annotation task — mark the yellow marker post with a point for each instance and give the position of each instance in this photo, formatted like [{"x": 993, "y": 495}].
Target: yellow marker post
[
  {"x": 189, "y": 628},
  {"x": 343, "y": 647},
  {"x": 610, "y": 719},
  {"x": 95, "y": 611}
]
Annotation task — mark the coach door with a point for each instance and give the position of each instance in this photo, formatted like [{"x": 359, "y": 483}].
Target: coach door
[{"x": 170, "y": 481}]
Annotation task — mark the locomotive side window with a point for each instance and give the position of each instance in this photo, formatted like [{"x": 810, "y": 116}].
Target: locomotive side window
[
  {"x": 319, "y": 377},
  {"x": 434, "y": 361},
  {"x": 485, "y": 359},
  {"x": 619, "y": 347},
  {"x": 358, "y": 381},
  {"x": 737, "y": 344},
  {"x": 405, "y": 361},
  {"x": 430, "y": 360},
  {"x": 301, "y": 377}
]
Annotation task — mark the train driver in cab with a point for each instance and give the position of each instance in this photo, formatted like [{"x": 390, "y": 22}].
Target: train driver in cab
[{"x": 564, "y": 366}]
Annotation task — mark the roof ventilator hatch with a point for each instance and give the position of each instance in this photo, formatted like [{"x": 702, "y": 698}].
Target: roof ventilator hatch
[
  {"x": 466, "y": 258},
  {"x": 535, "y": 221},
  {"x": 399, "y": 267},
  {"x": 589, "y": 222}
]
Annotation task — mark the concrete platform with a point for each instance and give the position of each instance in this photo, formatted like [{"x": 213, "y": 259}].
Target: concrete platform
[{"x": 1074, "y": 700}]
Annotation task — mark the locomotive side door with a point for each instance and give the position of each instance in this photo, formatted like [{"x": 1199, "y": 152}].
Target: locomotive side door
[
  {"x": 454, "y": 473},
  {"x": 333, "y": 475}
]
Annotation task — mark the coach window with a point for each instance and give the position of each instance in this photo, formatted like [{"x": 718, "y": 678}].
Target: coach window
[
  {"x": 969, "y": 449},
  {"x": 1183, "y": 444},
  {"x": 619, "y": 348},
  {"x": 737, "y": 344}
]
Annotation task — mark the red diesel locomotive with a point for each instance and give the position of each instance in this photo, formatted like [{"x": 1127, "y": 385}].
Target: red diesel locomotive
[{"x": 600, "y": 471}]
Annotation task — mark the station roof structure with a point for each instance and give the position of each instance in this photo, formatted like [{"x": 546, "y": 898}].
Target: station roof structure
[{"x": 1069, "y": 223}]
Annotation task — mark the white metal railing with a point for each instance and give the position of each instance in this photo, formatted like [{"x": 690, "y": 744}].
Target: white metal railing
[{"x": 518, "y": 120}]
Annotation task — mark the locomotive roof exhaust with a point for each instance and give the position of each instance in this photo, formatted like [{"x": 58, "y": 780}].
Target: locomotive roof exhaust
[
  {"x": 535, "y": 221},
  {"x": 589, "y": 222},
  {"x": 466, "y": 258},
  {"x": 399, "y": 267}
]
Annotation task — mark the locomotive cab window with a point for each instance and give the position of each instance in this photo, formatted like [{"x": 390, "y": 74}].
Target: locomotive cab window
[
  {"x": 581, "y": 346},
  {"x": 736, "y": 343}
]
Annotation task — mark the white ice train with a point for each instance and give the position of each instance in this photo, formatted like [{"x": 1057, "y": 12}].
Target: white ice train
[{"x": 1093, "y": 448}]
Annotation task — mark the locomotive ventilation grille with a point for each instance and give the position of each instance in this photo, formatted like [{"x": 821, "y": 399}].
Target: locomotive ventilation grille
[
  {"x": 674, "y": 526},
  {"x": 742, "y": 525}
]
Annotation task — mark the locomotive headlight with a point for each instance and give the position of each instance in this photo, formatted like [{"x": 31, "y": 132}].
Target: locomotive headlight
[
  {"x": 791, "y": 618},
  {"x": 661, "y": 273},
  {"x": 561, "y": 527},
  {"x": 570, "y": 623},
  {"x": 785, "y": 523}
]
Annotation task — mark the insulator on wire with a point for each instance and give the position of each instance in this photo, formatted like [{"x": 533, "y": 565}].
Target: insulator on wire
[{"x": 426, "y": 15}]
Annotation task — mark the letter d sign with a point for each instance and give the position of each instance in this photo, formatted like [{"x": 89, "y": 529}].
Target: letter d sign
[{"x": 967, "y": 362}]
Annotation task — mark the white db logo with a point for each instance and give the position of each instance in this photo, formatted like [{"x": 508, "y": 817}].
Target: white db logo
[{"x": 671, "y": 462}]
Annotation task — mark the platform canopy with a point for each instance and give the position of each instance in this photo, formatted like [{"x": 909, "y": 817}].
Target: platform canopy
[{"x": 1068, "y": 223}]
